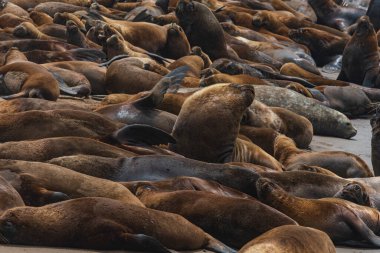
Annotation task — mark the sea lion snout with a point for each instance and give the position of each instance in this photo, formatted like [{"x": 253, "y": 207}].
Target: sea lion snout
[{"x": 263, "y": 186}]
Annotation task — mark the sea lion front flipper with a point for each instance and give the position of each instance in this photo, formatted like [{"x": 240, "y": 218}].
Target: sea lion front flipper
[
  {"x": 139, "y": 134},
  {"x": 217, "y": 246},
  {"x": 144, "y": 242},
  {"x": 156, "y": 95},
  {"x": 370, "y": 78}
]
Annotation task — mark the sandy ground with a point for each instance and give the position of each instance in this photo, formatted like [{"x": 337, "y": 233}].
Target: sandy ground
[{"x": 360, "y": 145}]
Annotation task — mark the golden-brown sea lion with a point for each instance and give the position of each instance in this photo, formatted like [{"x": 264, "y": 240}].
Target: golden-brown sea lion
[
  {"x": 234, "y": 221},
  {"x": 217, "y": 143},
  {"x": 40, "y": 83},
  {"x": 28, "y": 30},
  {"x": 291, "y": 238},
  {"x": 104, "y": 224},
  {"x": 40, "y": 18},
  {"x": 33, "y": 179},
  {"x": 342, "y": 220},
  {"x": 11, "y": 20},
  {"x": 343, "y": 164}
]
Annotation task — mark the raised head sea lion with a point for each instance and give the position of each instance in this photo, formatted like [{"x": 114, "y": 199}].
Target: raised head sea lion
[
  {"x": 220, "y": 144},
  {"x": 343, "y": 164},
  {"x": 202, "y": 28},
  {"x": 291, "y": 238},
  {"x": 360, "y": 62},
  {"x": 233, "y": 221},
  {"x": 104, "y": 224},
  {"x": 342, "y": 220}
]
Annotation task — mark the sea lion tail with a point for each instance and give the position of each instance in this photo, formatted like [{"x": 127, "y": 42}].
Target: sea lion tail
[
  {"x": 217, "y": 246},
  {"x": 139, "y": 134}
]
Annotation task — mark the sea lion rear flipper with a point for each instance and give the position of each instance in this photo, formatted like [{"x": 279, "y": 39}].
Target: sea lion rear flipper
[
  {"x": 139, "y": 134},
  {"x": 144, "y": 242},
  {"x": 357, "y": 224},
  {"x": 217, "y": 246},
  {"x": 158, "y": 58},
  {"x": 22, "y": 94},
  {"x": 156, "y": 95}
]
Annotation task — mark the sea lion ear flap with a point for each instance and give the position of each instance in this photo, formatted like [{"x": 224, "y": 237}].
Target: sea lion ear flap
[
  {"x": 156, "y": 95},
  {"x": 139, "y": 134}
]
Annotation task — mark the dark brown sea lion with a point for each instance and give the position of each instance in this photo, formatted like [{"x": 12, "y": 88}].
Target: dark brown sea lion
[
  {"x": 202, "y": 28},
  {"x": 220, "y": 144},
  {"x": 37, "y": 150},
  {"x": 33, "y": 180},
  {"x": 343, "y": 164},
  {"x": 79, "y": 54},
  {"x": 342, "y": 220},
  {"x": 333, "y": 15},
  {"x": 143, "y": 110},
  {"x": 54, "y": 30},
  {"x": 40, "y": 83},
  {"x": 360, "y": 63},
  {"x": 324, "y": 46},
  {"x": 9, "y": 196},
  {"x": 234, "y": 221},
  {"x": 104, "y": 224},
  {"x": 375, "y": 143},
  {"x": 76, "y": 37},
  {"x": 291, "y": 238},
  {"x": 32, "y": 125}
]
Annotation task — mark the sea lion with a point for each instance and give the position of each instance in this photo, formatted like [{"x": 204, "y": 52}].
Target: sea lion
[
  {"x": 63, "y": 18},
  {"x": 182, "y": 183},
  {"x": 76, "y": 37},
  {"x": 104, "y": 224},
  {"x": 32, "y": 44},
  {"x": 342, "y": 220},
  {"x": 9, "y": 7},
  {"x": 343, "y": 164},
  {"x": 91, "y": 70},
  {"x": 53, "y": 30},
  {"x": 51, "y": 8},
  {"x": 261, "y": 136},
  {"x": 220, "y": 144},
  {"x": 216, "y": 214},
  {"x": 80, "y": 54},
  {"x": 40, "y": 18},
  {"x": 375, "y": 143},
  {"x": 325, "y": 121},
  {"x": 291, "y": 238},
  {"x": 34, "y": 180},
  {"x": 9, "y": 196},
  {"x": 333, "y": 15},
  {"x": 143, "y": 110},
  {"x": 202, "y": 28},
  {"x": 372, "y": 13},
  {"x": 32, "y": 125},
  {"x": 324, "y": 46},
  {"x": 29, "y": 31},
  {"x": 33, "y": 3},
  {"x": 36, "y": 150},
  {"x": 40, "y": 83},
  {"x": 11, "y": 20},
  {"x": 360, "y": 62},
  {"x": 28, "y": 104}
]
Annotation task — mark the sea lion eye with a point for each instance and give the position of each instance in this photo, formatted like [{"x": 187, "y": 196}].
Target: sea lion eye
[{"x": 356, "y": 187}]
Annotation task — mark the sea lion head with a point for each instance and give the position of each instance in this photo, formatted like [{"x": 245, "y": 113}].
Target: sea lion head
[
  {"x": 185, "y": 11},
  {"x": 71, "y": 27},
  {"x": 300, "y": 35},
  {"x": 177, "y": 44},
  {"x": 3, "y": 4},
  {"x": 261, "y": 18},
  {"x": 364, "y": 27},
  {"x": 355, "y": 193},
  {"x": 264, "y": 186},
  {"x": 21, "y": 31}
]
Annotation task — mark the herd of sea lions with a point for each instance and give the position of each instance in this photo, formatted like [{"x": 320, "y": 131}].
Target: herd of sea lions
[{"x": 170, "y": 125}]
